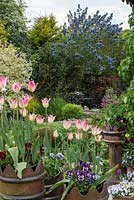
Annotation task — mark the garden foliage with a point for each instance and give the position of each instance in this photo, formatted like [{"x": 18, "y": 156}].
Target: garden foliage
[
  {"x": 14, "y": 65},
  {"x": 13, "y": 17},
  {"x": 84, "y": 59}
]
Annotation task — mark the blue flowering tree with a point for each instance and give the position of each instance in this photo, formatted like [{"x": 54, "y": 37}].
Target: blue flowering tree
[{"x": 85, "y": 57}]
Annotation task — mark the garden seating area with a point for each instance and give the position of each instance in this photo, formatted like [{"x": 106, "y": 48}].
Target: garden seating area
[{"x": 66, "y": 117}]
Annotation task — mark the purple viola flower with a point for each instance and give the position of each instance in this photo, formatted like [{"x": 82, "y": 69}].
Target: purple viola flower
[
  {"x": 132, "y": 166},
  {"x": 80, "y": 163},
  {"x": 119, "y": 171},
  {"x": 70, "y": 173},
  {"x": 81, "y": 176},
  {"x": 85, "y": 167}
]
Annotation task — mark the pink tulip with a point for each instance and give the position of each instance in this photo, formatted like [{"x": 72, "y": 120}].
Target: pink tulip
[
  {"x": 96, "y": 130},
  {"x": 55, "y": 134},
  {"x": 32, "y": 86},
  {"x": 70, "y": 136},
  {"x": 78, "y": 124},
  {"x": 78, "y": 135},
  {"x": 67, "y": 124},
  {"x": 32, "y": 117},
  {"x": 16, "y": 87},
  {"x": 45, "y": 102},
  {"x": 13, "y": 103},
  {"x": 51, "y": 118},
  {"x": 85, "y": 126},
  {"x": 39, "y": 119},
  {"x": 24, "y": 100},
  {"x": 23, "y": 112},
  {"x": 3, "y": 82},
  {"x": 2, "y": 100}
]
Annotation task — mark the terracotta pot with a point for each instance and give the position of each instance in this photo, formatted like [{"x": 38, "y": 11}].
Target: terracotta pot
[
  {"x": 113, "y": 136},
  {"x": 124, "y": 198},
  {"x": 92, "y": 194},
  {"x": 31, "y": 186},
  {"x": 57, "y": 193}
]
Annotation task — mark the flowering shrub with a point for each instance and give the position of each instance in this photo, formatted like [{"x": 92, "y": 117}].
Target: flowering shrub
[
  {"x": 125, "y": 187},
  {"x": 90, "y": 50}
]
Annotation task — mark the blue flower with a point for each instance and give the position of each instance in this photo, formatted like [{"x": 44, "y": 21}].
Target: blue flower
[
  {"x": 52, "y": 155},
  {"x": 60, "y": 155}
]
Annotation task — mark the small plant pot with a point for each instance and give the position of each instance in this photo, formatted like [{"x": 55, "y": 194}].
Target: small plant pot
[
  {"x": 57, "y": 193},
  {"x": 93, "y": 194},
  {"x": 31, "y": 186}
]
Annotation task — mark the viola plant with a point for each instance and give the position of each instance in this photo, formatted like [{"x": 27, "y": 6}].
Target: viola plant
[
  {"x": 19, "y": 145},
  {"x": 54, "y": 164}
]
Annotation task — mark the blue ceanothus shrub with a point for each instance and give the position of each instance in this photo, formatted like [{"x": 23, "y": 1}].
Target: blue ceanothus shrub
[{"x": 87, "y": 53}]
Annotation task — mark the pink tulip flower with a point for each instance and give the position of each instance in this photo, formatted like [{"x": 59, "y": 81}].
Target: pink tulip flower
[
  {"x": 2, "y": 100},
  {"x": 23, "y": 112},
  {"x": 96, "y": 130},
  {"x": 39, "y": 119},
  {"x": 67, "y": 124},
  {"x": 55, "y": 134},
  {"x": 24, "y": 100},
  {"x": 45, "y": 102},
  {"x": 16, "y": 87},
  {"x": 13, "y": 103},
  {"x": 70, "y": 136},
  {"x": 32, "y": 86},
  {"x": 78, "y": 124},
  {"x": 85, "y": 126},
  {"x": 78, "y": 135},
  {"x": 51, "y": 118},
  {"x": 3, "y": 82}
]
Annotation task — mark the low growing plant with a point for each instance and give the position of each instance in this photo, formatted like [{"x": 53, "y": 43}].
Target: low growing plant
[{"x": 72, "y": 111}]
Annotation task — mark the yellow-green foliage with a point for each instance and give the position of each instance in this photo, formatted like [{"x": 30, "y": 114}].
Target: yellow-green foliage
[
  {"x": 14, "y": 65},
  {"x": 72, "y": 111},
  {"x": 33, "y": 105},
  {"x": 3, "y": 34},
  {"x": 44, "y": 30}
]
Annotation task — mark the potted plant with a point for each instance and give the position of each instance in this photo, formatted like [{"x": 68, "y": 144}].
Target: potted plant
[
  {"x": 114, "y": 129},
  {"x": 83, "y": 179},
  {"x": 21, "y": 165},
  {"x": 54, "y": 166},
  {"x": 125, "y": 189}
]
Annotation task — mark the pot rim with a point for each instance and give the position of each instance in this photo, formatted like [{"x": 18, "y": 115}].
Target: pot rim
[{"x": 23, "y": 180}]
